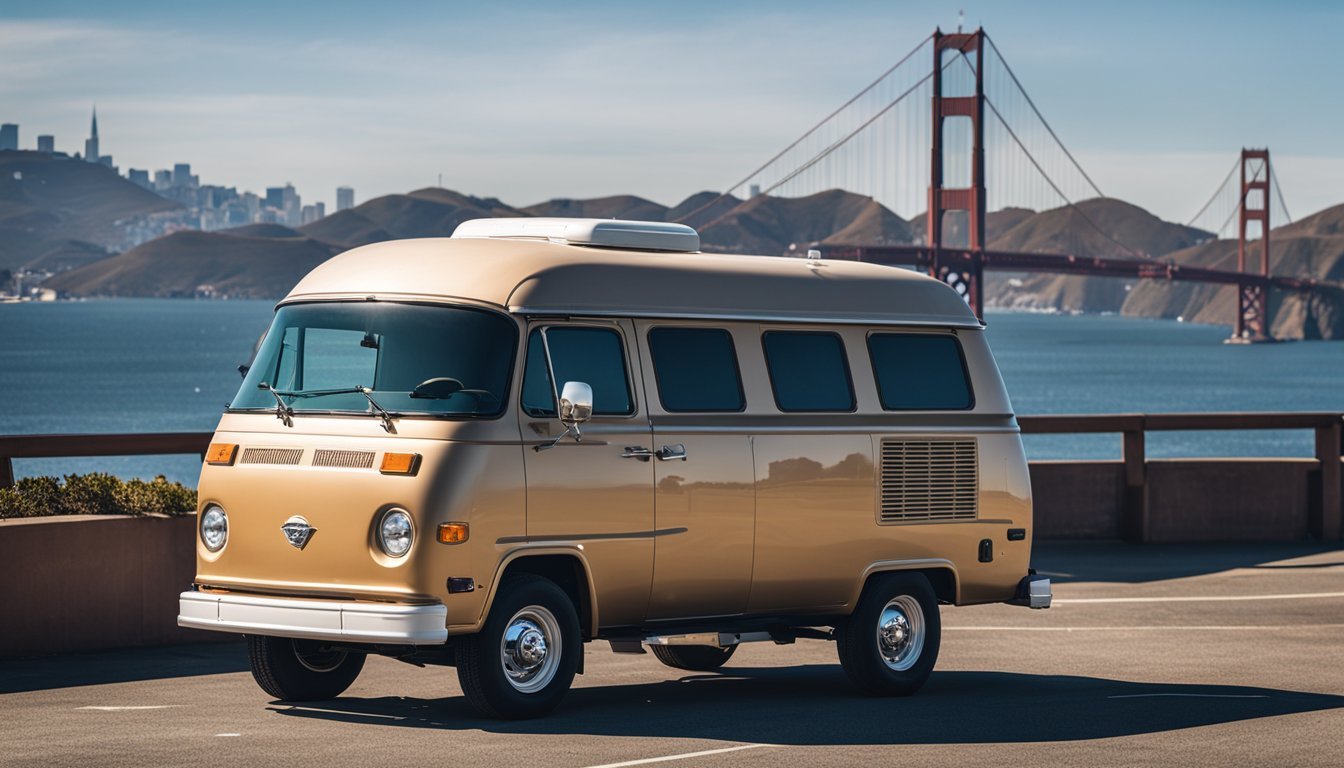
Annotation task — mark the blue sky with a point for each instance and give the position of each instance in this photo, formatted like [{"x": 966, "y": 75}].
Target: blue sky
[{"x": 527, "y": 101}]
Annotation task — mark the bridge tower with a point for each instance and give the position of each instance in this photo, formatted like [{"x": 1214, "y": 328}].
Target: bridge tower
[
  {"x": 962, "y": 269},
  {"x": 1253, "y": 293}
]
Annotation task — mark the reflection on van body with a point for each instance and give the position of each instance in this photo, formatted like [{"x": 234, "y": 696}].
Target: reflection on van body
[{"x": 538, "y": 433}]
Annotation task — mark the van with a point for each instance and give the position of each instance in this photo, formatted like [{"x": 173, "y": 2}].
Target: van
[{"x": 488, "y": 450}]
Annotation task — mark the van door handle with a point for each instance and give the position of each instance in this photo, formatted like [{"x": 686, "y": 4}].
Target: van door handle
[
  {"x": 672, "y": 452},
  {"x": 636, "y": 452}
]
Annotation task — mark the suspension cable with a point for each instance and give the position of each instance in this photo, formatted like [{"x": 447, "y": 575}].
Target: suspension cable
[
  {"x": 1217, "y": 191},
  {"x": 1278, "y": 190}
]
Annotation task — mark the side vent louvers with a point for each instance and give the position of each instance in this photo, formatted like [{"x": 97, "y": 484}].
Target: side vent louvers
[
  {"x": 929, "y": 480},
  {"x": 346, "y": 459},
  {"x": 271, "y": 456}
]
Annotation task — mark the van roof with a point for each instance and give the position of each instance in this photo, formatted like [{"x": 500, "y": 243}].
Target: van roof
[{"x": 536, "y": 277}]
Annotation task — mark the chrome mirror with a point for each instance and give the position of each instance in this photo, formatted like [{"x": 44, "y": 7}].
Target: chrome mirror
[{"x": 576, "y": 404}]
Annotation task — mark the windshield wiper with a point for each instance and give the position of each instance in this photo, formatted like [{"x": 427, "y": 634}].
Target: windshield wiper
[
  {"x": 282, "y": 411},
  {"x": 382, "y": 413}
]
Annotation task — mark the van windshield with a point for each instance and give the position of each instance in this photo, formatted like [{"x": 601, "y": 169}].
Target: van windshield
[{"x": 412, "y": 358}]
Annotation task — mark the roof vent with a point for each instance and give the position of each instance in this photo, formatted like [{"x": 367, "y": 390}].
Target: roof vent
[{"x": 602, "y": 233}]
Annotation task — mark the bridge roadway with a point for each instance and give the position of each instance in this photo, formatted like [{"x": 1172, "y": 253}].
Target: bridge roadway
[{"x": 1156, "y": 655}]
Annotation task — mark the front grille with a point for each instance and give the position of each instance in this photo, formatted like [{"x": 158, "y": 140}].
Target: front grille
[
  {"x": 347, "y": 459},
  {"x": 271, "y": 456},
  {"x": 925, "y": 480}
]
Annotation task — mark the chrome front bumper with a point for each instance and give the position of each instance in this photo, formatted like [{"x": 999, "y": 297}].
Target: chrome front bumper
[
  {"x": 1033, "y": 592},
  {"x": 382, "y": 623}
]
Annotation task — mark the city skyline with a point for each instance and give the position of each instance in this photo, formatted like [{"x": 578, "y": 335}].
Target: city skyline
[{"x": 387, "y": 102}]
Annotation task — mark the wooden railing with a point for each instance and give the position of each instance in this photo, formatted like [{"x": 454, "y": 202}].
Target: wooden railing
[{"x": 1131, "y": 427}]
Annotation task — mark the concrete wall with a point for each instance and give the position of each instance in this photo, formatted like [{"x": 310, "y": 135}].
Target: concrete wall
[
  {"x": 79, "y": 583},
  {"x": 1184, "y": 500}
]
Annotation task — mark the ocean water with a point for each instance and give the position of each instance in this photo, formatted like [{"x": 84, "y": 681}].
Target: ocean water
[{"x": 169, "y": 365}]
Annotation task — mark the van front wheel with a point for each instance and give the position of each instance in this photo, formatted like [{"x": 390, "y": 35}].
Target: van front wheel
[
  {"x": 889, "y": 644},
  {"x": 301, "y": 670},
  {"x": 523, "y": 660}
]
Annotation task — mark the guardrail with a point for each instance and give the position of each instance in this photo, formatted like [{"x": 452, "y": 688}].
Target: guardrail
[{"x": 1326, "y": 514}]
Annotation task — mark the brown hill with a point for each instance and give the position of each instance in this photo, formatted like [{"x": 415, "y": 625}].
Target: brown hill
[
  {"x": 1101, "y": 227},
  {"x": 702, "y": 208},
  {"x": 47, "y": 201},
  {"x": 262, "y": 230},
  {"x": 430, "y": 212},
  {"x": 770, "y": 225},
  {"x": 955, "y": 231},
  {"x": 190, "y": 262},
  {"x": 614, "y": 207},
  {"x": 1311, "y": 247}
]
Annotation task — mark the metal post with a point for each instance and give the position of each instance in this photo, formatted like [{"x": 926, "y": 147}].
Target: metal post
[
  {"x": 1135, "y": 522},
  {"x": 6, "y": 472},
  {"x": 1327, "y": 527}
]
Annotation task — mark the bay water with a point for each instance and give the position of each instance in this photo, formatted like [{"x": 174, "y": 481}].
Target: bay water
[{"x": 159, "y": 365}]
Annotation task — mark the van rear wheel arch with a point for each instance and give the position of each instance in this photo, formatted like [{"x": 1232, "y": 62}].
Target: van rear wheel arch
[{"x": 943, "y": 579}]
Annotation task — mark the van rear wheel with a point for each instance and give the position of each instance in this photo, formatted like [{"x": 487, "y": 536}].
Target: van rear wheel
[
  {"x": 889, "y": 644},
  {"x": 696, "y": 658},
  {"x": 523, "y": 660},
  {"x": 301, "y": 670}
]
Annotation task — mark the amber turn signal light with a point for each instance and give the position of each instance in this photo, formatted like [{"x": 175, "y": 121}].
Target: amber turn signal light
[
  {"x": 453, "y": 533},
  {"x": 399, "y": 463},
  {"x": 220, "y": 453}
]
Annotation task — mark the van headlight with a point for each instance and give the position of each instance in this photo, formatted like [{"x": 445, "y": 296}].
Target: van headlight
[
  {"x": 214, "y": 528},
  {"x": 395, "y": 532}
]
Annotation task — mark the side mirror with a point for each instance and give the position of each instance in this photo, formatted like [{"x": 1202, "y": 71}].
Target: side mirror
[{"x": 576, "y": 403}]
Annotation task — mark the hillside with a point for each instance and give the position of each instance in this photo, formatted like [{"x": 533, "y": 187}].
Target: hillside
[
  {"x": 614, "y": 207},
  {"x": 64, "y": 211},
  {"x": 189, "y": 263},
  {"x": 769, "y": 225},
  {"x": 1101, "y": 227},
  {"x": 1313, "y": 247},
  {"x": 430, "y": 212}
]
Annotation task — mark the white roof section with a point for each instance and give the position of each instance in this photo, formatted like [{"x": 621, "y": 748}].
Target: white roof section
[{"x": 604, "y": 233}]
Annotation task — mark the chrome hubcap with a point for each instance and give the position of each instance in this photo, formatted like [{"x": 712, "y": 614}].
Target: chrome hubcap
[
  {"x": 530, "y": 649},
  {"x": 900, "y": 633}
]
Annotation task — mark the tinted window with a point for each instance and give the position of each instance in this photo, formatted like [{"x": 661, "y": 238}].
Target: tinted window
[
  {"x": 314, "y": 355},
  {"x": 591, "y": 355},
  {"x": 808, "y": 371},
  {"x": 920, "y": 372},
  {"x": 696, "y": 369}
]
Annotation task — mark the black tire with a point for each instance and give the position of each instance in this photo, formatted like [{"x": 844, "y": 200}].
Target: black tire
[
  {"x": 696, "y": 658},
  {"x": 906, "y": 665},
  {"x": 522, "y": 600},
  {"x": 301, "y": 670}
]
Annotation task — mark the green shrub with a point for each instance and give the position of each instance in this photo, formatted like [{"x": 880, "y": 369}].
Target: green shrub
[{"x": 95, "y": 494}]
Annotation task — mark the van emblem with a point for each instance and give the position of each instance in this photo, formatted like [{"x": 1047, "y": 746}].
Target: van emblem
[{"x": 297, "y": 531}]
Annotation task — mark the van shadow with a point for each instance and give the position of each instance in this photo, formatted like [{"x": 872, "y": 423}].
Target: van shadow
[
  {"x": 1121, "y": 563},
  {"x": 815, "y": 705}
]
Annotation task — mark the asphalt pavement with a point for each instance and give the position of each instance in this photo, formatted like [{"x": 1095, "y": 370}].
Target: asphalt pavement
[{"x": 1156, "y": 655}]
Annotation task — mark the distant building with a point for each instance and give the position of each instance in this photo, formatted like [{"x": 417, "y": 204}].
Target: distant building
[
  {"x": 9, "y": 136},
  {"x": 286, "y": 204},
  {"x": 182, "y": 176},
  {"x": 91, "y": 153},
  {"x": 163, "y": 180},
  {"x": 321, "y": 210},
  {"x": 755, "y": 190},
  {"x": 46, "y": 144},
  {"x": 345, "y": 198},
  {"x": 140, "y": 178}
]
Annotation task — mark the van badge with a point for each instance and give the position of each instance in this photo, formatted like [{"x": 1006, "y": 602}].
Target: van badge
[{"x": 297, "y": 531}]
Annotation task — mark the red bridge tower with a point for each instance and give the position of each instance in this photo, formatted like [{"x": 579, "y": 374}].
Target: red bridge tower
[
  {"x": 962, "y": 269},
  {"x": 1253, "y": 293}
]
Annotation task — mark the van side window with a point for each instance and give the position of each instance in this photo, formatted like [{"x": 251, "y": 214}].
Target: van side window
[
  {"x": 920, "y": 372},
  {"x": 592, "y": 355},
  {"x": 808, "y": 371},
  {"x": 696, "y": 369}
]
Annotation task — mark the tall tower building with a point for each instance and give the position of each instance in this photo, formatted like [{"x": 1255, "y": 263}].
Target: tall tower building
[
  {"x": 46, "y": 144},
  {"x": 91, "y": 144},
  {"x": 9, "y": 136},
  {"x": 345, "y": 198}
]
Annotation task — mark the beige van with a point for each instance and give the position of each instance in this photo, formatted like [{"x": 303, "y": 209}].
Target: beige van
[{"x": 488, "y": 450}]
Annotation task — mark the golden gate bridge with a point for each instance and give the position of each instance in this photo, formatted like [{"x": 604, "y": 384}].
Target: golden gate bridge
[{"x": 948, "y": 128}]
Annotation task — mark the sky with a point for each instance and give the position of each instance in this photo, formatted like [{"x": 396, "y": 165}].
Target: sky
[{"x": 529, "y": 101}]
